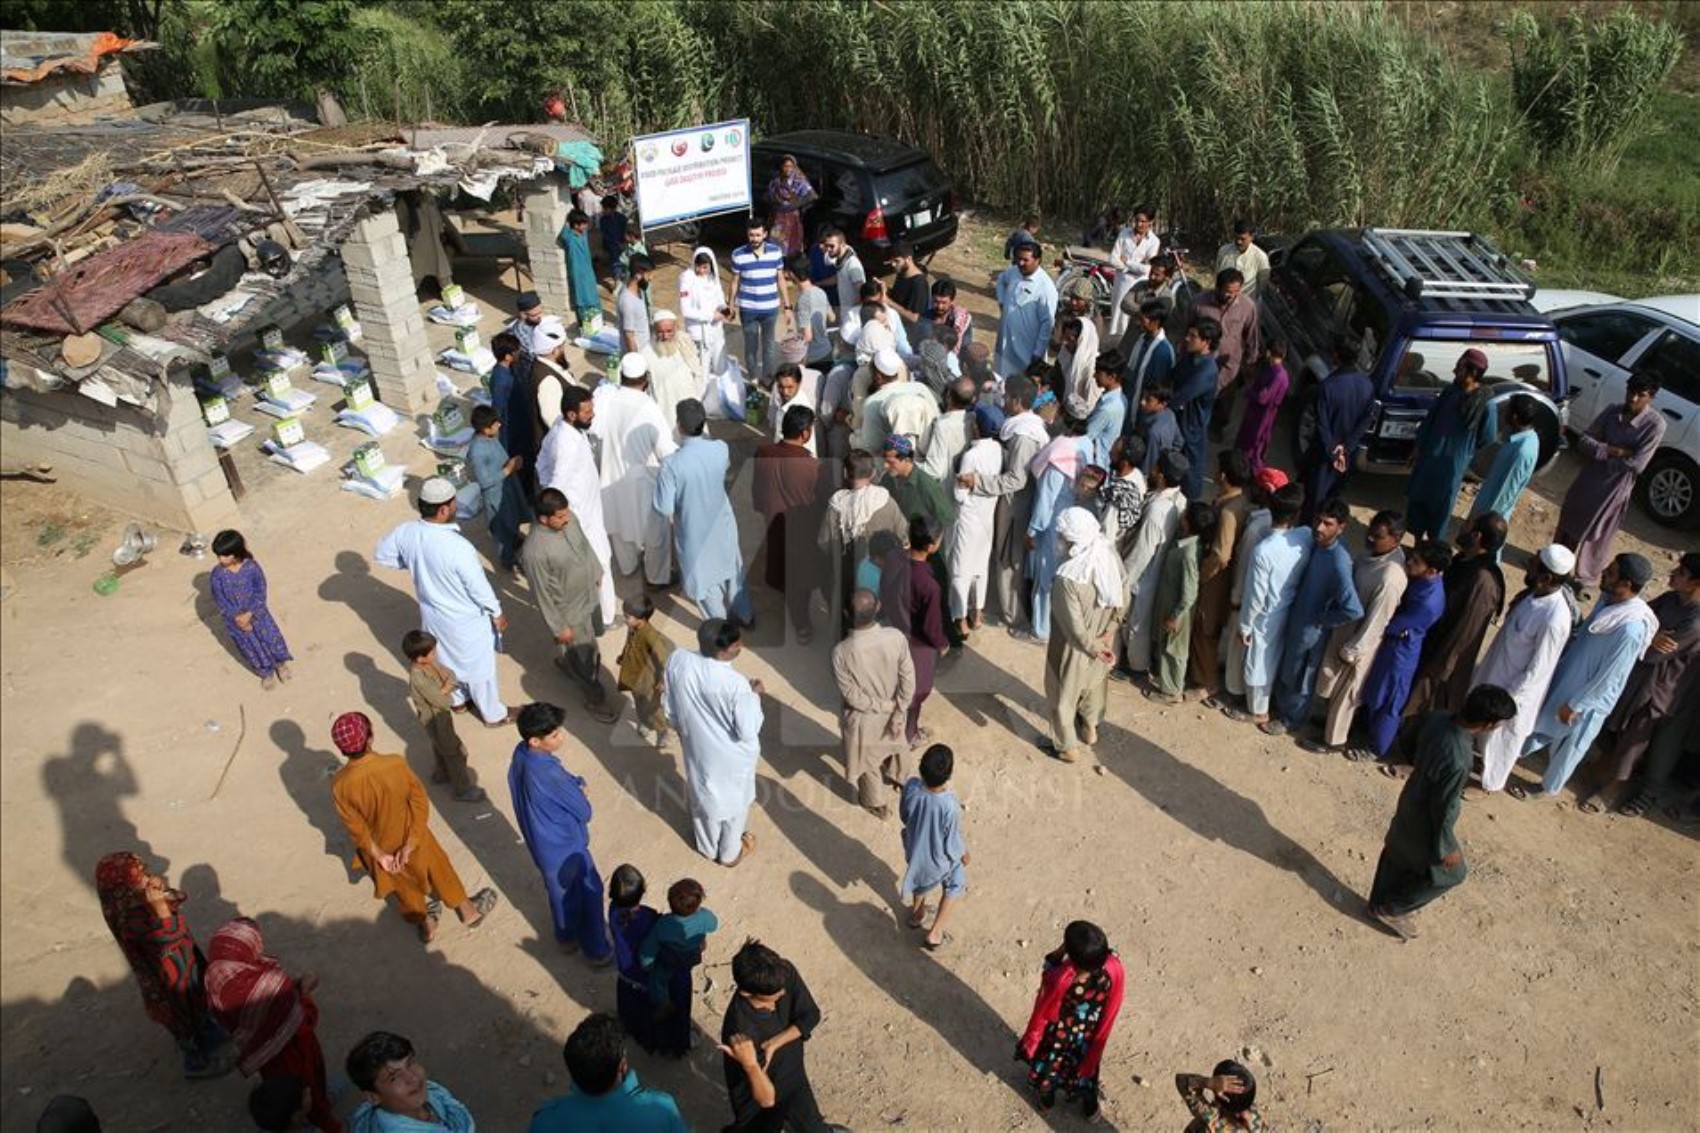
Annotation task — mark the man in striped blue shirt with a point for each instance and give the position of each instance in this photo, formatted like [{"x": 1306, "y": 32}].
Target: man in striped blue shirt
[{"x": 757, "y": 265}]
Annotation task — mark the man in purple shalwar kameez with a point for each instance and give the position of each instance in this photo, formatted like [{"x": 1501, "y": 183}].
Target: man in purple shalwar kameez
[
  {"x": 1616, "y": 449},
  {"x": 1262, "y": 404}
]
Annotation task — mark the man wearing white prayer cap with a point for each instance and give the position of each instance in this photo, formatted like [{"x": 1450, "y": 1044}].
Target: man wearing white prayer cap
[
  {"x": 1523, "y": 656},
  {"x": 457, "y": 604},
  {"x": 676, "y": 371},
  {"x": 634, "y": 439}
]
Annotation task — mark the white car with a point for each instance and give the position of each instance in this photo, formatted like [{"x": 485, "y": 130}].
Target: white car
[{"x": 1603, "y": 345}]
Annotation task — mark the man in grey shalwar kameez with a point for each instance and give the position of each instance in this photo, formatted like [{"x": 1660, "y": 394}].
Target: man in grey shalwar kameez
[
  {"x": 876, "y": 679},
  {"x": 718, "y": 715},
  {"x": 566, "y": 581}
]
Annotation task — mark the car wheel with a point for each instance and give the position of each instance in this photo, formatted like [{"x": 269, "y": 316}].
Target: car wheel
[{"x": 1668, "y": 488}]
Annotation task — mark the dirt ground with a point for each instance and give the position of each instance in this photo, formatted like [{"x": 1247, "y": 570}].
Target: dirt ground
[{"x": 1555, "y": 989}]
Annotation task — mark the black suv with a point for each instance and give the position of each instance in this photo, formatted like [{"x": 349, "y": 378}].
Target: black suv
[
  {"x": 1413, "y": 301},
  {"x": 876, "y": 189}
]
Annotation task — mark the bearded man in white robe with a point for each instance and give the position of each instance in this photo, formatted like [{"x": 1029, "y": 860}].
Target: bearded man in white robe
[{"x": 676, "y": 372}]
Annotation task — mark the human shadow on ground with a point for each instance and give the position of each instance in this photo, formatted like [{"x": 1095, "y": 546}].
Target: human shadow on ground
[
  {"x": 808, "y": 825},
  {"x": 387, "y": 611},
  {"x": 1215, "y": 812},
  {"x": 929, "y": 994},
  {"x": 93, "y": 1040},
  {"x": 88, "y": 784},
  {"x": 306, "y": 776},
  {"x": 989, "y": 693}
]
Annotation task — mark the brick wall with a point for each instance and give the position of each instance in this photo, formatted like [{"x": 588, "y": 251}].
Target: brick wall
[{"x": 162, "y": 469}]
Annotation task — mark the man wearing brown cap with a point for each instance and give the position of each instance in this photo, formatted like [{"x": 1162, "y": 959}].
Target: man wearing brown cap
[
  {"x": 383, "y": 805},
  {"x": 1460, "y": 422}
]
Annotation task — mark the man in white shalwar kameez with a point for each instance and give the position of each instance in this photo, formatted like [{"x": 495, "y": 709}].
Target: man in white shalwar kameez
[
  {"x": 676, "y": 371},
  {"x": 1257, "y": 525},
  {"x": 1524, "y": 655},
  {"x": 457, "y": 605},
  {"x": 634, "y": 439},
  {"x": 718, "y": 715},
  {"x": 1158, "y": 523},
  {"x": 968, "y": 558},
  {"x": 566, "y": 461},
  {"x": 1277, "y": 564}
]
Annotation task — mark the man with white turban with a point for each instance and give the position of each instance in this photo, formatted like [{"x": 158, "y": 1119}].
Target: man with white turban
[
  {"x": 1524, "y": 655},
  {"x": 1088, "y": 602},
  {"x": 676, "y": 371},
  {"x": 634, "y": 439},
  {"x": 896, "y": 407}
]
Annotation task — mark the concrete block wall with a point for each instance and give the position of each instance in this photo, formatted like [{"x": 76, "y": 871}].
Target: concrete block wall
[
  {"x": 162, "y": 469},
  {"x": 380, "y": 283},
  {"x": 65, "y": 98},
  {"x": 546, "y": 208}
]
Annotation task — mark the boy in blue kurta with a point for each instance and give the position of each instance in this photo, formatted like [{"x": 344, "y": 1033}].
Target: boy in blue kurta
[
  {"x": 1513, "y": 464},
  {"x": 675, "y": 945},
  {"x": 554, "y": 817},
  {"x": 933, "y": 847},
  {"x": 495, "y": 471}
]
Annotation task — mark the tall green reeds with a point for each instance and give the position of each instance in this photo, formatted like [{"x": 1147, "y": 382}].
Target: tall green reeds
[{"x": 1586, "y": 87}]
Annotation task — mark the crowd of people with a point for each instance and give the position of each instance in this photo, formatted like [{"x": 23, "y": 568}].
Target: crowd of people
[{"x": 924, "y": 480}]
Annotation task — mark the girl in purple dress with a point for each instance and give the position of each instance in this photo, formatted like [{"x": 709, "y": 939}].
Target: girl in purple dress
[
  {"x": 1263, "y": 401},
  {"x": 629, "y": 922},
  {"x": 239, "y": 588}
]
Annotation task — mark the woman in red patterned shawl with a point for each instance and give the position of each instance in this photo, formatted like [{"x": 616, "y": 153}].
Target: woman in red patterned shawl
[
  {"x": 143, "y": 913},
  {"x": 270, "y": 1015},
  {"x": 1080, "y": 995}
]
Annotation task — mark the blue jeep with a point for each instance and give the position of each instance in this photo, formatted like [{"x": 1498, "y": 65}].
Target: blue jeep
[{"x": 1413, "y": 302}]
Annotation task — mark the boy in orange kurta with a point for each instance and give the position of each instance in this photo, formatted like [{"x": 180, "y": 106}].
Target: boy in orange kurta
[{"x": 382, "y": 803}]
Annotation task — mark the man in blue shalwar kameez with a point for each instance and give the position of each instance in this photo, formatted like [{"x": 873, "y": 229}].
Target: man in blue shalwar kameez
[
  {"x": 1459, "y": 422},
  {"x": 1387, "y": 687},
  {"x": 1344, "y": 406},
  {"x": 1326, "y": 598},
  {"x": 1591, "y": 674},
  {"x": 1027, "y": 309},
  {"x": 554, "y": 818},
  {"x": 690, "y": 490}
]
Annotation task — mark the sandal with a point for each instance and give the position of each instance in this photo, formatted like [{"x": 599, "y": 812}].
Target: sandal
[
  {"x": 1360, "y": 755},
  {"x": 747, "y": 845},
  {"x": 1593, "y": 804},
  {"x": 1397, "y": 773},
  {"x": 1240, "y": 715},
  {"x": 1317, "y": 747},
  {"x": 935, "y": 945},
  {"x": 1527, "y": 794},
  {"x": 1272, "y": 728},
  {"x": 1638, "y": 806},
  {"x": 483, "y": 901},
  {"x": 428, "y": 928}
]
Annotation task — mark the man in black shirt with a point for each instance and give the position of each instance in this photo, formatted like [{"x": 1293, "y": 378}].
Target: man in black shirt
[
  {"x": 774, "y": 1010},
  {"x": 910, "y": 293}
]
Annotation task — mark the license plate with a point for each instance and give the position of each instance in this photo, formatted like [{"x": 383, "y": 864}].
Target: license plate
[
  {"x": 1400, "y": 430},
  {"x": 921, "y": 219}
]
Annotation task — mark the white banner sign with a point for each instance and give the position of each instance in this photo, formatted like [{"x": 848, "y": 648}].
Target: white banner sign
[{"x": 694, "y": 172}]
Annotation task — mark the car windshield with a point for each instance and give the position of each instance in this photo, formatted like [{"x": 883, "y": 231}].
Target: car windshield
[
  {"x": 900, "y": 186},
  {"x": 1427, "y": 364}
]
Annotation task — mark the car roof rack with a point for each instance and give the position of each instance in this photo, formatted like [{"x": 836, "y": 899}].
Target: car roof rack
[{"x": 1445, "y": 265}]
